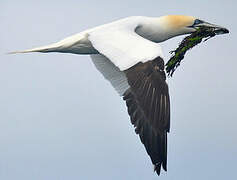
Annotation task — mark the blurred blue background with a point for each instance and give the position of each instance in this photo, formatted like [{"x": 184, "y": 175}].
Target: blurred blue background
[{"x": 59, "y": 119}]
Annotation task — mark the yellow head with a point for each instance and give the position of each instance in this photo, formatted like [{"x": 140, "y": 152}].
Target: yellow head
[
  {"x": 175, "y": 25},
  {"x": 179, "y": 21}
]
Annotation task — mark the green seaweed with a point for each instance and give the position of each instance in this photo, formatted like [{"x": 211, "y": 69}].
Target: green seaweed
[{"x": 188, "y": 43}]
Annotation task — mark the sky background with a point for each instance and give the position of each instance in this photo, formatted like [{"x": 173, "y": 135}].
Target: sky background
[{"x": 60, "y": 120}]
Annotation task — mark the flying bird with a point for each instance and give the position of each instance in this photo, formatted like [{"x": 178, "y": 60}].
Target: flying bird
[{"x": 128, "y": 54}]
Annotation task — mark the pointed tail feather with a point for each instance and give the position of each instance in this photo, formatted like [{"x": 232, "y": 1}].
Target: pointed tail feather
[{"x": 44, "y": 49}]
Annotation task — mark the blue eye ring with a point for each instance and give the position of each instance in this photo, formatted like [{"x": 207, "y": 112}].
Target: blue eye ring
[{"x": 197, "y": 21}]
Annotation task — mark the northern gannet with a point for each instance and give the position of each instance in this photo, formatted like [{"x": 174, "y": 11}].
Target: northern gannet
[{"x": 128, "y": 54}]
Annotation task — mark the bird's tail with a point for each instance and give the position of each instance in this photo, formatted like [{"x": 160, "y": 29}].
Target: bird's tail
[{"x": 49, "y": 48}]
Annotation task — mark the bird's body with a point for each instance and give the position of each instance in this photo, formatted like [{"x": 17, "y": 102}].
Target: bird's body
[
  {"x": 126, "y": 41},
  {"x": 128, "y": 54}
]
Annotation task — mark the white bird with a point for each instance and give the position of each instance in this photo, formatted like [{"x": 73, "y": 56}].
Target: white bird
[{"x": 128, "y": 54}]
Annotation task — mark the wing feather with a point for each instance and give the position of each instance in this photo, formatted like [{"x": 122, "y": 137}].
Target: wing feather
[
  {"x": 148, "y": 105},
  {"x": 122, "y": 45},
  {"x": 125, "y": 60}
]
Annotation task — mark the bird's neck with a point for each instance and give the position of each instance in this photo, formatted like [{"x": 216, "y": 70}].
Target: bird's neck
[{"x": 156, "y": 29}]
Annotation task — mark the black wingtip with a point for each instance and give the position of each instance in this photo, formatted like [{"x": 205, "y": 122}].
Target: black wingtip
[
  {"x": 157, "y": 168},
  {"x": 164, "y": 165}
]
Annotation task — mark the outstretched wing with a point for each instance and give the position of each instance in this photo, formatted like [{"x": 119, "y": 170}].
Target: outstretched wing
[
  {"x": 135, "y": 68},
  {"x": 120, "y": 43},
  {"x": 148, "y": 105},
  {"x": 145, "y": 91}
]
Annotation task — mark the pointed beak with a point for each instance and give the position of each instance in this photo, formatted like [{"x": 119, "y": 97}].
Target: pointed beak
[{"x": 216, "y": 28}]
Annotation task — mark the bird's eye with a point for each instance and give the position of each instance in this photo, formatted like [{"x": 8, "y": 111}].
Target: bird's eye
[{"x": 198, "y": 21}]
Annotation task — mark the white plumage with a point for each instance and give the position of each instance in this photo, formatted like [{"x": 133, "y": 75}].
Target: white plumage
[
  {"x": 128, "y": 54},
  {"x": 110, "y": 72},
  {"x": 122, "y": 45},
  {"x": 118, "y": 41}
]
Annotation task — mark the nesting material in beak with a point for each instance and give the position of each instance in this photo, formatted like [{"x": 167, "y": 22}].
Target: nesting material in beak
[{"x": 203, "y": 32}]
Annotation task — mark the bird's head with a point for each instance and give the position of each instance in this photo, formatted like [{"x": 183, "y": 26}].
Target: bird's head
[{"x": 175, "y": 25}]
